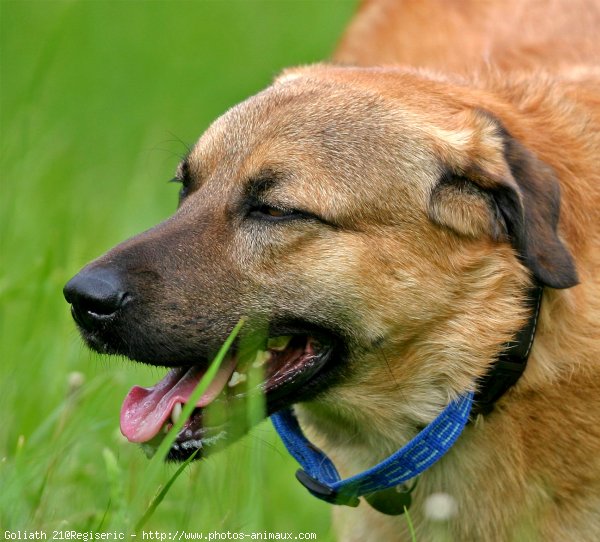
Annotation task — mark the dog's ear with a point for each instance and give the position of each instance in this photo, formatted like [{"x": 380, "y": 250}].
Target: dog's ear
[{"x": 493, "y": 185}]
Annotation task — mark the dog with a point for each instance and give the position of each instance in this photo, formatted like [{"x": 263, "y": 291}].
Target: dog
[{"x": 383, "y": 218}]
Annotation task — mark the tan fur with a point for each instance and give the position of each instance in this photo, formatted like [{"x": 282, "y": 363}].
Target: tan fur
[
  {"x": 439, "y": 305},
  {"x": 424, "y": 279},
  {"x": 431, "y": 308},
  {"x": 458, "y": 36},
  {"x": 531, "y": 470}
]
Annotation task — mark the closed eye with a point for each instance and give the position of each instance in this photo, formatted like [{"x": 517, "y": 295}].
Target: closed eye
[
  {"x": 274, "y": 214},
  {"x": 185, "y": 186},
  {"x": 256, "y": 207},
  {"x": 183, "y": 176}
]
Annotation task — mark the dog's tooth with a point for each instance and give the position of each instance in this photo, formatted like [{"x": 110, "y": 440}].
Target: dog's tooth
[
  {"x": 236, "y": 378},
  {"x": 261, "y": 358},
  {"x": 191, "y": 444},
  {"x": 176, "y": 412},
  {"x": 279, "y": 343}
]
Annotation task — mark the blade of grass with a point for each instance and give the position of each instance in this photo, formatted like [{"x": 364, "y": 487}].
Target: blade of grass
[
  {"x": 47, "y": 429},
  {"x": 411, "y": 528},
  {"x": 157, "y": 461},
  {"x": 162, "y": 492},
  {"x": 190, "y": 405},
  {"x": 100, "y": 525},
  {"x": 256, "y": 411},
  {"x": 117, "y": 494}
]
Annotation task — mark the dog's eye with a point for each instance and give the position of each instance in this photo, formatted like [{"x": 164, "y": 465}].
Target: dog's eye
[
  {"x": 274, "y": 214},
  {"x": 183, "y": 191},
  {"x": 183, "y": 177},
  {"x": 185, "y": 186}
]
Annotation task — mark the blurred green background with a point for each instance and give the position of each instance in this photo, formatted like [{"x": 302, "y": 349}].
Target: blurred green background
[{"x": 98, "y": 100}]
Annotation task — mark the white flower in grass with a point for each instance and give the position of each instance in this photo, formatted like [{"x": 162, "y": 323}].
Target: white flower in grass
[
  {"x": 75, "y": 380},
  {"x": 440, "y": 507}
]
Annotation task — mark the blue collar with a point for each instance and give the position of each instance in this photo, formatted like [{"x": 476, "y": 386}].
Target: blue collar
[
  {"x": 381, "y": 484},
  {"x": 321, "y": 478}
]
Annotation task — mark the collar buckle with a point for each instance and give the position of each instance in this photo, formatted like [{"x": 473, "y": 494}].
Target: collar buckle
[{"x": 324, "y": 492}]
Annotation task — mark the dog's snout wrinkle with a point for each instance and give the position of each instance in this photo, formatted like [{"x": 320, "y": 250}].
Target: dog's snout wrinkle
[{"x": 95, "y": 295}]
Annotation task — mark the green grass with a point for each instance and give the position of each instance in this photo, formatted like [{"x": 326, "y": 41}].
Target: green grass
[{"x": 98, "y": 99}]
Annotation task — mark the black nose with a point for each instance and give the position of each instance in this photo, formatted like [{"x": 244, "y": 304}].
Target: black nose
[{"x": 95, "y": 294}]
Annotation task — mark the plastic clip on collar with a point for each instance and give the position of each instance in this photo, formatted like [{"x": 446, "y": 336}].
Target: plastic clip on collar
[{"x": 321, "y": 478}]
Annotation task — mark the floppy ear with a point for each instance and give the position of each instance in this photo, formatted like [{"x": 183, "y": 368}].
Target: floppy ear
[{"x": 495, "y": 186}]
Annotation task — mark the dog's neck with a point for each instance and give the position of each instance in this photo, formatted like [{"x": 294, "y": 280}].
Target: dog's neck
[{"x": 376, "y": 425}]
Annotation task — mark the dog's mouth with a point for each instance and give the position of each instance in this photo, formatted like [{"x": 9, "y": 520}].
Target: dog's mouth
[{"x": 292, "y": 368}]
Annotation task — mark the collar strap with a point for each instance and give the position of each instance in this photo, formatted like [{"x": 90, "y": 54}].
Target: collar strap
[
  {"x": 512, "y": 361},
  {"x": 321, "y": 478}
]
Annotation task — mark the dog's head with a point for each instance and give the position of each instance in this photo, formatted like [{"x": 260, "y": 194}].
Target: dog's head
[{"x": 379, "y": 226}]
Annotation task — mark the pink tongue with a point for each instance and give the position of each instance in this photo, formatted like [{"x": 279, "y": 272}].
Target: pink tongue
[{"x": 145, "y": 410}]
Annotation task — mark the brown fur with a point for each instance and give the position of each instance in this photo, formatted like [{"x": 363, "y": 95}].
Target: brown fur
[
  {"x": 459, "y": 36},
  {"x": 531, "y": 470},
  {"x": 441, "y": 190}
]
